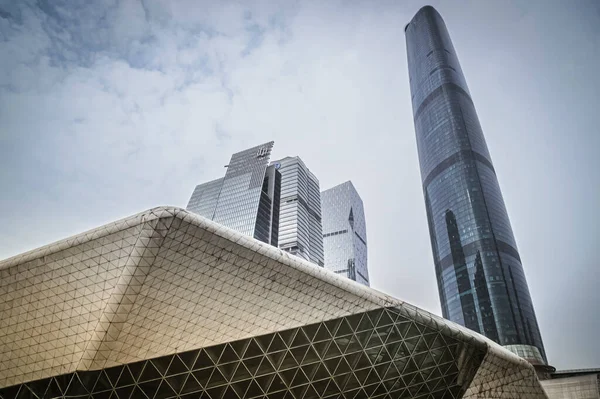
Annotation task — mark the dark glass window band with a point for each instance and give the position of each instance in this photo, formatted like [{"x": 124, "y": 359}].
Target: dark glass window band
[
  {"x": 464, "y": 155},
  {"x": 485, "y": 244},
  {"x": 445, "y": 88}
]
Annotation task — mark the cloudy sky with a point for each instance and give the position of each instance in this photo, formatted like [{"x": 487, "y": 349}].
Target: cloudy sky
[{"x": 111, "y": 107}]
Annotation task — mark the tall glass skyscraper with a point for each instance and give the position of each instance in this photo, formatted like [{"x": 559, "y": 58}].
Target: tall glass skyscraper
[
  {"x": 480, "y": 277},
  {"x": 345, "y": 232},
  {"x": 247, "y": 198},
  {"x": 300, "y": 231}
]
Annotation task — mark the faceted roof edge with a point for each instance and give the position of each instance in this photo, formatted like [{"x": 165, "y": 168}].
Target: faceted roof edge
[{"x": 368, "y": 293}]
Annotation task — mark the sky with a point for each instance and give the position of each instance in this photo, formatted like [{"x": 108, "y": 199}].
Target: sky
[{"x": 112, "y": 107}]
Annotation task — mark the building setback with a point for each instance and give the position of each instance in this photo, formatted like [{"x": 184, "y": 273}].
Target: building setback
[
  {"x": 345, "y": 232},
  {"x": 247, "y": 198},
  {"x": 300, "y": 231},
  {"x": 481, "y": 280}
]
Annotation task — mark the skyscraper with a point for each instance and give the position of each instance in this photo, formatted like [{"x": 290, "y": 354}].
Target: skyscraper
[
  {"x": 300, "y": 231},
  {"x": 480, "y": 277},
  {"x": 247, "y": 198},
  {"x": 345, "y": 232}
]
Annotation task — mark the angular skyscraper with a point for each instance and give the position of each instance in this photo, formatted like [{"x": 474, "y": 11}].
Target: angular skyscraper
[
  {"x": 300, "y": 231},
  {"x": 480, "y": 277},
  {"x": 247, "y": 198},
  {"x": 345, "y": 232}
]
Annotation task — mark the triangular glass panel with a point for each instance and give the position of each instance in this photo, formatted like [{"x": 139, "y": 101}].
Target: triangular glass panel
[
  {"x": 311, "y": 355},
  {"x": 353, "y": 344},
  {"x": 150, "y": 387},
  {"x": 354, "y": 321},
  {"x": 298, "y": 391},
  {"x": 403, "y": 328},
  {"x": 228, "y": 355},
  {"x": 310, "y": 393},
  {"x": 165, "y": 390},
  {"x": 342, "y": 342},
  {"x": 363, "y": 361},
  {"x": 216, "y": 392},
  {"x": 253, "y": 350},
  {"x": 411, "y": 343},
  {"x": 321, "y": 386},
  {"x": 374, "y": 341},
  {"x": 365, "y": 324},
  {"x": 176, "y": 366},
  {"x": 265, "y": 367},
  {"x": 252, "y": 364},
  {"x": 288, "y": 361},
  {"x": 124, "y": 392},
  {"x": 352, "y": 382},
  {"x": 332, "y": 351},
  {"x": 412, "y": 331},
  {"x": 126, "y": 378},
  {"x": 38, "y": 387},
  {"x": 241, "y": 373},
  {"x": 287, "y": 336},
  {"x": 343, "y": 328},
  {"x": 264, "y": 382},
  {"x": 321, "y": 373},
  {"x": 321, "y": 348},
  {"x": 299, "y": 353},
  {"x": 343, "y": 367},
  {"x": 190, "y": 385},
  {"x": 385, "y": 320},
  {"x": 228, "y": 369},
  {"x": 230, "y": 393},
  {"x": 176, "y": 382},
  {"x": 332, "y": 326},
  {"x": 188, "y": 358},
  {"x": 288, "y": 376},
  {"x": 310, "y": 330},
  {"x": 76, "y": 388},
  {"x": 375, "y": 315},
  {"x": 162, "y": 363},
  {"x": 241, "y": 387},
  {"x": 382, "y": 369},
  {"x": 300, "y": 379},
  {"x": 217, "y": 378},
  {"x": 363, "y": 337},
  {"x": 138, "y": 393},
  {"x": 63, "y": 381},
  {"x": 202, "y": 376},
  {"x": 300, "y": 339},
  {"x": 203, "y": 361},
  {"x": 89, "y": 378},
  {"x": 103, "y": 383},
  {"x": 277, "y": 344},
  {"x": 332, "y": 364},
  {"x": 136, "y": 369},
  {"x": 340, "y": 380},
  {"x": 214, "y": 352},
  {"x": 277, "y": 384},
  {"x": 322, "y": 334},
  {"x": 308, "y": 370},
  {"x": 253, "y": 390},
  {"x": 362, "y": 375},
  {"x": 150, "y": 372},
  {"x": 264, "y": 341},
  {"x": 240, "y": 347}
]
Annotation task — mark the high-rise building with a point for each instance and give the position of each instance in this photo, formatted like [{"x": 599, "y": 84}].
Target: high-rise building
[
  {"x": 480, "y": 277},
  {"x": 300, "y": 231},
  {"x": 345, "y": 232},
  {"x": 247, "y": 198}
]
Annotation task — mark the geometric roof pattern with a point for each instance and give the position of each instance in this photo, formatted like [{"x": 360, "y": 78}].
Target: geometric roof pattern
[{"x": 169, "y": 304}]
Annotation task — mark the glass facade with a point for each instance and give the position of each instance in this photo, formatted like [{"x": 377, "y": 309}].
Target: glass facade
[
  {"x": 247, "y": 198},
  {"x": 480, "y": 277},
  {"x": 300, "y": 231},
  {"x": 345, "y": 232}
]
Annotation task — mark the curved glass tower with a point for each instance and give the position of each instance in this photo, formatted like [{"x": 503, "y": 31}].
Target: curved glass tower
[{"x": 480, "y": 277}]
